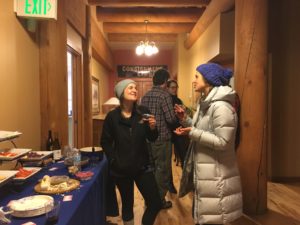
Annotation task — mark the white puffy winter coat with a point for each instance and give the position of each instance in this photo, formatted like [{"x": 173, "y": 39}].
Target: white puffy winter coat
[{"x": 218, "y": 197}]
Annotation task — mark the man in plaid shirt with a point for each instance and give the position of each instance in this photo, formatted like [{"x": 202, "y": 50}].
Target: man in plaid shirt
[{"x": 159, "y": 102}]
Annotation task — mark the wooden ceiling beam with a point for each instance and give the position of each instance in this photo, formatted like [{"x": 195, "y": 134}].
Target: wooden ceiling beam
[
  {"x": 100, "y": 49},
  {"x": 139, "y": 37},
  {"x": 161, "y": 28},
  {"x": 152, "y": 3},
  {"x": 139, "y": 14},
  {"x": 211, "y": 11}
]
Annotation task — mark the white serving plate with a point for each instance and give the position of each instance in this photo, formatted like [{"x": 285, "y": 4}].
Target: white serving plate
[
  {"x": 36, "y": 169},
  {"x": 31, "y": 206},
  {"x": 45, "y": 154},
  {"x": 89, "y": 149},
  {"x": 8, "y": 174},
  {"x": 7, "y": 135},
  {"x": 19, "y": 152}
]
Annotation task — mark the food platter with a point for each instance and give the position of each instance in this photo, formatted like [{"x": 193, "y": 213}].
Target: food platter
[
  {"x": 72, "y": 184},
  {"x": 6, "y": 175},
  {"x": 84, "y": 175},
  {"x": 13, "y": 153},
  {"x": 33, "y": 170},
  {"x": 7, "y": 135},
  {"x": 31, "y": 206},
  {"x": 90, "y": 149},
  {"x": 36, "y": 156}
]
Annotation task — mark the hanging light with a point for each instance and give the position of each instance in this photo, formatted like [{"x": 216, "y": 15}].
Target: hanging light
[{"x": 146, "y": 47}]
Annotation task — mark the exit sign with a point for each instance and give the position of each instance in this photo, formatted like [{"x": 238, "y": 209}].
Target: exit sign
[{"x": 46, "y": 9}]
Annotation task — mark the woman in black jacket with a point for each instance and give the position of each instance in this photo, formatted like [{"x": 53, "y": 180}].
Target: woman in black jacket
[{"x": 126, "y": 132}]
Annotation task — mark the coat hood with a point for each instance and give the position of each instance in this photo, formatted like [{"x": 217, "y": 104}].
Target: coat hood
[{"x": 221, "y": 93}]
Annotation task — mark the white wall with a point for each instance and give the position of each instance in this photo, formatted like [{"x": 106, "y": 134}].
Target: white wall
[
  {"x": 99, "y": 72},
  {"x": 204, "y": 49}
]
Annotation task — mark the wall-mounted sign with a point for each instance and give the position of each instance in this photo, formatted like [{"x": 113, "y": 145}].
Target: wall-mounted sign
[
  {"x": 138, "y": 71},
  {"x": 45, "y": 9}
]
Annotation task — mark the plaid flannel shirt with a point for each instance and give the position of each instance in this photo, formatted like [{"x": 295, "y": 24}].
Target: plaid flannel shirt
[{"x": 159, "y": 102}]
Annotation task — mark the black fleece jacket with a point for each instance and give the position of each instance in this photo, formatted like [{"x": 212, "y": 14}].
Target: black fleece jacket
[{"x": 124, "y": 141}]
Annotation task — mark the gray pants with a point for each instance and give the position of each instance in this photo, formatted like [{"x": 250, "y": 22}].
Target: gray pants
[{"x": 162, "y": 154}]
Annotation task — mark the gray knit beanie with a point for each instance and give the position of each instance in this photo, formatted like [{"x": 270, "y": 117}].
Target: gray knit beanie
[{"x": 121, "y": 85}]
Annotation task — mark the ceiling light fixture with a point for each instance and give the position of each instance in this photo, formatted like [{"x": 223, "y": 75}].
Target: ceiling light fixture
[{"x": 146, "y": 47}]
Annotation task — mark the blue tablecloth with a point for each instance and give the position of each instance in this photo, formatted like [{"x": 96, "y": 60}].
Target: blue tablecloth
[{"x": 87, "y": 206}]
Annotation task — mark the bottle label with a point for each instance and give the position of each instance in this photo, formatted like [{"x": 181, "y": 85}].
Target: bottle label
[{"x": 57, "y": 154}]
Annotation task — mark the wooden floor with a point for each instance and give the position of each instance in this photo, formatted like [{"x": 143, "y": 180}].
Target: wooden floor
[{"x": 283, "y": 207}]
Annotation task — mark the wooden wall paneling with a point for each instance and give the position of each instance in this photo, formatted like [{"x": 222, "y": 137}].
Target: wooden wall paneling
[
  {"x": 76, "y": 15},
  {"x": 251, "y": 84},
  {"x": 100, "y": 49},
  {"x": 87, "y": 81},
  {"x": 53, "y": 76},
  {"x": 97, "y": 131}
]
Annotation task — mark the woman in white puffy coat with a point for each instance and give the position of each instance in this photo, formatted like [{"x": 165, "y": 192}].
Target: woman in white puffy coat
[{"x": 217, "y": 187}]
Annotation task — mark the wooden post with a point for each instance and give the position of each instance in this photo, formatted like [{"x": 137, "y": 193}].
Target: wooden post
[
  {"x": 53, "y": 76},
  {"x": 251, "y": 85},
  {"x": 87, "y": 55}
]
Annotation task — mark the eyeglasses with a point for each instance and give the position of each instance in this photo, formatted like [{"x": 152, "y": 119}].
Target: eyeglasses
[{"x": 173, "y": 87}]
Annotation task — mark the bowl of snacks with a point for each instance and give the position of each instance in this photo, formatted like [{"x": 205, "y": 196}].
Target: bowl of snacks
[{"x": 84, "y": 175}]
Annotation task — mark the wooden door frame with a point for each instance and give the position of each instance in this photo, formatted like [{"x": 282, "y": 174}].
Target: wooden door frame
[{"x": 77, "y": 92}]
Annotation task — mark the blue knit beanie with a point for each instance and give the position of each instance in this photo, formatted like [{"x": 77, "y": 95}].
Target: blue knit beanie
[
  {"x": 215, "y": 74},
  {"x": 121, "y": 85}
]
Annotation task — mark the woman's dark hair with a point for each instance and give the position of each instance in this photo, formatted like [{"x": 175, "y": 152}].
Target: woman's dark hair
[
  {"x": 122, "y": 100},
  {"x": 160, "y": 77},
  {"x": 169, "y": 82},
  {"x": 238, "y": 113}
]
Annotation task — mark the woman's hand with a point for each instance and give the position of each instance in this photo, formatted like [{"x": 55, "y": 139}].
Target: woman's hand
[
  {"x": 151, "y": 121},
  {"x": 182, "y": 130},
  {"x": 180, "y": 112}
]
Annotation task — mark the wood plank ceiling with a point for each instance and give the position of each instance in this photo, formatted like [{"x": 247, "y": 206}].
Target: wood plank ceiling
[{"x": 124, "y": 20}]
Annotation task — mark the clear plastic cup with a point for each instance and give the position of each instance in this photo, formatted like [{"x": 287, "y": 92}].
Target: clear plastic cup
[{"x": 52, "y": 212}]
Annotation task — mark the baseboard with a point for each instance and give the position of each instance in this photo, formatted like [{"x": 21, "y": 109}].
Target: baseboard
[{"x": 285, "y": 179}]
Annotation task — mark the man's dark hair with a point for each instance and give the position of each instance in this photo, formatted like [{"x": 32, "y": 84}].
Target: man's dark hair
[{"x": 160, "y": 77}]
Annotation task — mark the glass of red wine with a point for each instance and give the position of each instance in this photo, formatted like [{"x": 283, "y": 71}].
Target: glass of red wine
[{"x": 52, "y": 212}]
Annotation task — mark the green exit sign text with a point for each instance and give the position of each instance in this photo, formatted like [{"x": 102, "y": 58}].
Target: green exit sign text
[{"x": 36, "y": 8}]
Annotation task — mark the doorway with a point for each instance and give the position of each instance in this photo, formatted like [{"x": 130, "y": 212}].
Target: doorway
[{"x": 75, "y": 98}]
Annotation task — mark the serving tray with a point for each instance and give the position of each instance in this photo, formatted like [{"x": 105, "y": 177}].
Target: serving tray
[
  {"x": 44, "y": 154},
  {"x": 16, "y": 153},
  {"x": 6, "y": 176},
  {"x": 72, "y": 185},
  {"x": 34, "y": 171},
  {"x": 31, "y": 206}
]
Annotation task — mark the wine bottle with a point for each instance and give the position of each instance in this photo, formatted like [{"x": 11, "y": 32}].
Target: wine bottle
[
  {"x": 56, "y": 144},
  {"x": 56, "y": 148},
  {"x": 49, "y": 144}
]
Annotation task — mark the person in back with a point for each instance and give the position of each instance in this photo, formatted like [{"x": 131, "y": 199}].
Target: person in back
[
  {"x": 124, "y": 140},
  {"x": 181, "y": 142},
  {"x": 159, "y": 101},
  {"x": 217, "y": 184}
]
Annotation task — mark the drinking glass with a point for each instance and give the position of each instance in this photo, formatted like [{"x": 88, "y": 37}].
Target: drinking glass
[{"x": 52, "y": 212}]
